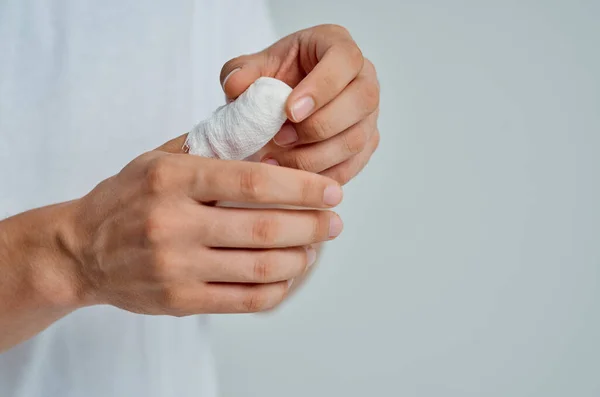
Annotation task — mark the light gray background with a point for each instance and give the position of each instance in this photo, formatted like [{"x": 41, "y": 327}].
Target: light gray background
[{"x": 469, "y": 265}]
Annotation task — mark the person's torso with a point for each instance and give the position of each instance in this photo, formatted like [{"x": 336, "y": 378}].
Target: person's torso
[{"x": 86, "y": 86}]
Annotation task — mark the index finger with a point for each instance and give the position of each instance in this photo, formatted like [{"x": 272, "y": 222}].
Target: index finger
[
  {"x": 339, "y": 61},
  {"x": 245, "y": 182}
]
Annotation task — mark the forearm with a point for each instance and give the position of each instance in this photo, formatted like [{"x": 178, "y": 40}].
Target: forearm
[{"x": 38, "y": 285}]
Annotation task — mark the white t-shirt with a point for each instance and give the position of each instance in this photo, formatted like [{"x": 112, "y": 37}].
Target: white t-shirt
[{"x": 86, "y": 86}]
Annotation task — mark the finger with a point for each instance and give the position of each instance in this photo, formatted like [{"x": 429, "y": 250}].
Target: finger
[
  {"x": 268, "y": 228},
  {"x": 282, "y": 61},
  {"x": 357, "y": 101},
  {"x": 207, "y": 180},
  {"x": 260, "y": 183},
  {"x": 222, "y": 298},
  {"x": 347, "y": 170},
  {"x": 238, "y": 73},
  {"x": 245, "y": 298},
  {"x": 339, "y": 62},
  {"x": 317, "y": 157},
  {"x": 256, "y": 266}
]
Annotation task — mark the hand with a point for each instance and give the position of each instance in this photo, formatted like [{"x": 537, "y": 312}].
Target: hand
[
  {"x": 150, "y": 242},
  {"x": 334, "y": 105}
]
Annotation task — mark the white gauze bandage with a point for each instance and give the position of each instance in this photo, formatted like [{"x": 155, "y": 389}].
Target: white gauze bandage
[{"x": 242, "y": 127}]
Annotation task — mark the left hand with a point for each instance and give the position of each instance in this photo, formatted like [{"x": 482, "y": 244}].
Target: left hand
[{"x": 333, "y": 108}]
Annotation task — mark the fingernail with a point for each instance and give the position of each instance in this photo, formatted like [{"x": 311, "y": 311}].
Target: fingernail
[
  {"x": 290, "y": 282},
  {"x": 302, "y": 108},
  {"x": 311, "y": 256},
  {"x": 332, "y": 195},
  {"x": 335, "y": 226},
  {"x": 286, "y": 136},
  {"x": 270, "y": 161},
  {"x": 229, "y": 75}
]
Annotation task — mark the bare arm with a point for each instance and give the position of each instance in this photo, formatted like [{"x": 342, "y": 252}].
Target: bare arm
[
  {"x": 146, "y": 211},
  {"x": 144, "y": 241},
  {"x": 37, "y": 273}
]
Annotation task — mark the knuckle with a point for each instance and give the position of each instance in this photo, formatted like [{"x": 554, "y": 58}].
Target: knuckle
[
  {"x": 272, "y": 59},
  {"x": 308, "y": 187},
  {"x": 355, "y": 56},
  {"x": 263, "y": 269},
  {"x": 264, "y": 231},
  {"x": 337, "y": 29},
  {"x": 355, "y": 141},
  {"x": 158, "y": 174},
  {"x": 144, "y": 159},
  {"x": 371, "y": 94},
  {"x": 254, "y": 301},
  {"x": 252, "y": 183},
  {"x": 302, "y": 161},
  {"x": 318, "y": 128}
]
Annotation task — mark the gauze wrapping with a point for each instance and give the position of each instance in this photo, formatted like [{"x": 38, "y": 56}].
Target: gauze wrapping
[{"x": 242, "y": 127}]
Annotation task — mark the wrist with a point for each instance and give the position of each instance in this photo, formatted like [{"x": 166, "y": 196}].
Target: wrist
[
  {"x": 41, "y": 257},
  {"x": 71, "y": 244}
]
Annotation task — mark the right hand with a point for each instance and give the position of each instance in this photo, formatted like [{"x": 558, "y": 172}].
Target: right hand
[{"x": 149, "y": 240}]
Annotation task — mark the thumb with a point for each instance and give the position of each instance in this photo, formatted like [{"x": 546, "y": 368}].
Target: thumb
[
  {"x": 236, "y": 76},
  {"x": 238, "y": 73}
]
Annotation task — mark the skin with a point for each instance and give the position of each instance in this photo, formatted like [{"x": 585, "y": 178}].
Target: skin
[
  {"x": 151, "y": 239},
  {"x": 338, "y": 134}
]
